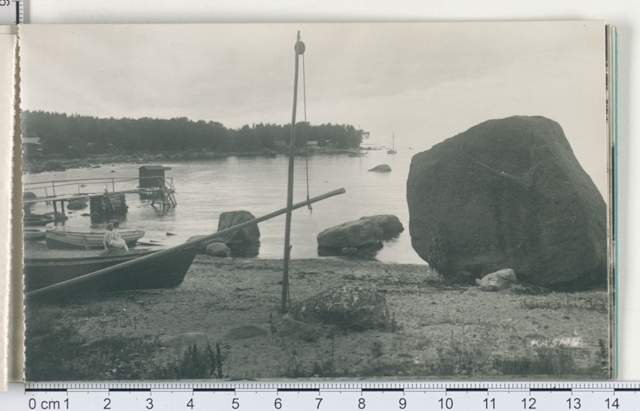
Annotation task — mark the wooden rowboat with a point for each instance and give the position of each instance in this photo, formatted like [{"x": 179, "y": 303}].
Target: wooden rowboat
[
  {"x": 167, "y": 271},
  {"x": 34, "y": 220},
  {"x": 87, "y": 240},
  {"x": 31, "y": 234}
]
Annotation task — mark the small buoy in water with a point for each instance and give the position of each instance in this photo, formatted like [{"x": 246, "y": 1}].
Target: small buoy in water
[{"x": 168, "y": 233}]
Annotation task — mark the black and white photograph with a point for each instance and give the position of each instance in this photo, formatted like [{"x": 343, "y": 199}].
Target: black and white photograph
[{"x": 316, "y": 201}]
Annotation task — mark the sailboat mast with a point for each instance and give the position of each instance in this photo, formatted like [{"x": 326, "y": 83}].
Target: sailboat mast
[
  {"x": 393, "y": 144},
  {"x": 299, "y": 49}
]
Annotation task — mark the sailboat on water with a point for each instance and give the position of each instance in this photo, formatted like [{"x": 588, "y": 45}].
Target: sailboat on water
[{"x": 393, "y": 147}]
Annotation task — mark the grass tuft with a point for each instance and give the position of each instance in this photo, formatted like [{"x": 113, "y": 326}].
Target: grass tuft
[
  {"x": 460, "y": 358},
  {"x": 195, "y": 364}
]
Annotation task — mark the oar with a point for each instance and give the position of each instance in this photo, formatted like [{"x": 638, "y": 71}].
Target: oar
[{"x": 188, "y": 244}]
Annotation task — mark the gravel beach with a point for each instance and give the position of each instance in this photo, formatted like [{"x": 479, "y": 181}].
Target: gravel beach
[{"x": 229, "y": 308}]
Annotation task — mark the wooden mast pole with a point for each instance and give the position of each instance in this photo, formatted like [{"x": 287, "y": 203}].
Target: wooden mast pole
[{"x": 299, "y": 49}]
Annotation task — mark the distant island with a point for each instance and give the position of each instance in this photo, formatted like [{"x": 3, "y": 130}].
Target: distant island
[{"x": 49, "y": 136}]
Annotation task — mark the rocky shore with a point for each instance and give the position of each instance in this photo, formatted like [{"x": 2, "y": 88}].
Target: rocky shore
[{"x": 224, "y": 319}]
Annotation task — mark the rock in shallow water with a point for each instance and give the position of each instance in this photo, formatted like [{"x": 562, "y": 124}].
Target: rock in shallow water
[
  {"x": 382, "y": 168},
  {"x": 351, "y": 234},
  {"x": 361, "y": 238},
  {"x": 245, "y": 237},
  {"x": 77, "y": 205},
  {"x": 509, "y": 193}
]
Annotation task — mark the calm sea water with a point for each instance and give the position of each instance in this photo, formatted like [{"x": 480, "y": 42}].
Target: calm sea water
[{"x": 205, "y": 189}]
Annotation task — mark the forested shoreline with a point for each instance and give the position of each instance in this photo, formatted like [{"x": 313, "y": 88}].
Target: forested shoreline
[{"x": 76, "y": 136}]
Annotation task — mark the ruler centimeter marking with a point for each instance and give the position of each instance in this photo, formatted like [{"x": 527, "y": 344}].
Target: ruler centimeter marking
[
  {"x": 482, "y": 396},
  {"x": 275, "y": 388},
  {"x": 457, "y": 387},
  {"x": 11, "y": 12}
]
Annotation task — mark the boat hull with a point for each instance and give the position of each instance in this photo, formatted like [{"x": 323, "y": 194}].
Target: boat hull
[
  {"x": 166, "y": 271},
  {"x": 37, "y": 220},
  {"x": 71, "y": 240},
  {"x": 32, "y": 234}
]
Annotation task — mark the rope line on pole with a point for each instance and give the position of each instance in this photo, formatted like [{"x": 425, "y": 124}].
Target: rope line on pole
[{"x": 306, "y": 147}]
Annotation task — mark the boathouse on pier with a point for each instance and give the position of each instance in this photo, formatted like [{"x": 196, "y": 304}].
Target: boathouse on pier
[
  {"x": 152, "y": 176},
  {"x": 153, "y": 184}
]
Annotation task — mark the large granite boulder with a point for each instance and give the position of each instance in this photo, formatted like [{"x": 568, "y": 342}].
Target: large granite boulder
[
  {"x": 509, "y": 193},
  {"x": 347, "y": 307}
]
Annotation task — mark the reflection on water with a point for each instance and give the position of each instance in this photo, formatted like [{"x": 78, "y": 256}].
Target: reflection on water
[{"x": 205, "y": 189}]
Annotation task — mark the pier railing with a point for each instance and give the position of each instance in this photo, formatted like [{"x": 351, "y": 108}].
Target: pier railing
[{"x": 89, "y": 186}]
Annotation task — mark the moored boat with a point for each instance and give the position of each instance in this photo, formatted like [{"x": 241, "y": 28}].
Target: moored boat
[
  {"x": 35, "y": 220},
  {"x": 166, "y": 271},
  {"x": 393, "y": 147},
  {"x": 31, "y": 234},
  {"x": 58, "y": 239}
]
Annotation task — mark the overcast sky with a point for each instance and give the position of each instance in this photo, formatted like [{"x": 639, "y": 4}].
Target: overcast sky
[{"x": 423, "y": 82}]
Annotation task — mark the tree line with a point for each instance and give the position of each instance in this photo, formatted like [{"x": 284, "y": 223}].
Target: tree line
[{"x": 79, "y": 136}]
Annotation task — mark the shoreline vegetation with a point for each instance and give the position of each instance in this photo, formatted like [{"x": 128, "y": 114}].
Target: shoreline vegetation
[
  {"x": 56, "y": 162},
  {"x": 438, "y": 330},
  {"x": 78, "y": 141}
]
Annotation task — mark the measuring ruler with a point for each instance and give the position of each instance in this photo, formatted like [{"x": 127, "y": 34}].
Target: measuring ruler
[
  {"x": 477, "y": 396},
  {"x": 11, "y": 12}
]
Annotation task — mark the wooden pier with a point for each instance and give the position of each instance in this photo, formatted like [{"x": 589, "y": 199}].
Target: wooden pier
[
  {"x": 106, "y": 204},
  {"x": 107, "y": 207}
]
